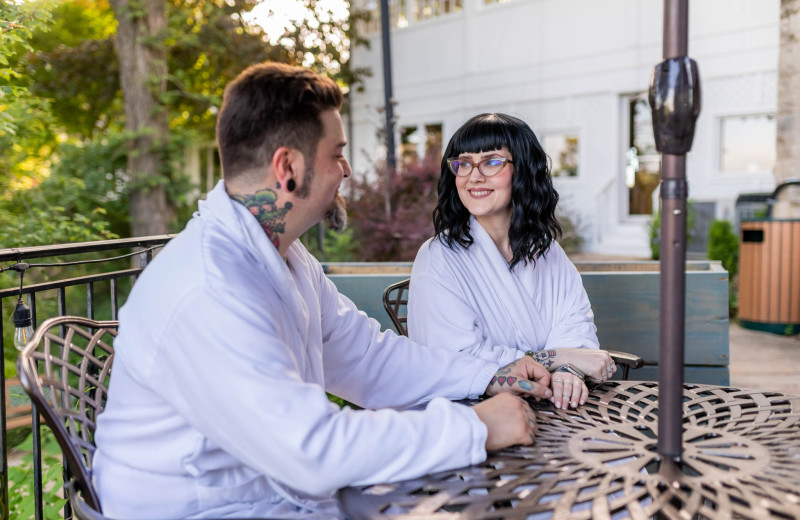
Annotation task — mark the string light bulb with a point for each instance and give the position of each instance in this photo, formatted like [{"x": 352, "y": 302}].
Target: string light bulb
[{"x": 23, "y": 323}]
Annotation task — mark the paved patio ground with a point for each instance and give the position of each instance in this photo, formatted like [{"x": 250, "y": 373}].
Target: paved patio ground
[{"x": 764, "y": 361}]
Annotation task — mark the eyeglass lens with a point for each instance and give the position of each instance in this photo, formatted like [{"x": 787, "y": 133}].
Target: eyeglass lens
[{"x": 488, "y": 167}]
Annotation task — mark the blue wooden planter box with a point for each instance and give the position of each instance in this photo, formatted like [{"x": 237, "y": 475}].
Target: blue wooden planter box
[{"x": 625, "y": 299}]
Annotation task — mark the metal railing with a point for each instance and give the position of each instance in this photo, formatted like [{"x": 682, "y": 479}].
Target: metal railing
[{"x": 59, "y": 287}]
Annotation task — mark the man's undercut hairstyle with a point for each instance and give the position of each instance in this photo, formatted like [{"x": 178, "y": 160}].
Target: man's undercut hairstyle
[
  {"x": 533, "y": 198},
  {"x": 270, "y": 105}
]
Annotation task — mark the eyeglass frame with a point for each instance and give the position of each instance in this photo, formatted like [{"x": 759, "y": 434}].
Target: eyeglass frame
[{"x": 505, "y": 161}]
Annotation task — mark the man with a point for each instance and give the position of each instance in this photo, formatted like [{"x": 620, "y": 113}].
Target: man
[{"x": 233, "y": 334}]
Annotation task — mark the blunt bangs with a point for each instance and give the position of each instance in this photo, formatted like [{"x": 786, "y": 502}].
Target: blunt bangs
[{"x": 484, "y": 133}]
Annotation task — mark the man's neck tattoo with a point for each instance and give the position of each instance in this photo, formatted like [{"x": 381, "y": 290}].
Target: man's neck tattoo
[{"x": 262, "y": 205}]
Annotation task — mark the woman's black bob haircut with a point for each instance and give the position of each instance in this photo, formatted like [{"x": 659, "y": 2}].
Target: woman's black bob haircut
[{"x": 533, "y": 199}]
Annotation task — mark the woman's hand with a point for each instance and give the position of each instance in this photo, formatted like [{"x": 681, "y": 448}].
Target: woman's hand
[
  {"x": 568, "y": 390},
  {"x": 596, "y": 364}
]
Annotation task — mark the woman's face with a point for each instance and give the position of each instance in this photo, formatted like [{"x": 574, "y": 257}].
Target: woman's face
[{"x": 486, "y": 197}]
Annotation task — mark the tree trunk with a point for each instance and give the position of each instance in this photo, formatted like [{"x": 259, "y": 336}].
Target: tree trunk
[
  {"x": 143, "y": 74},
  {"x": 787, "y": 164}
]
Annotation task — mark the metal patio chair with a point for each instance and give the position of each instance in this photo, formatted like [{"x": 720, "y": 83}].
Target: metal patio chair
[
  {"x": 395, "y": 301},
  {"x": 66, "y": 369}
]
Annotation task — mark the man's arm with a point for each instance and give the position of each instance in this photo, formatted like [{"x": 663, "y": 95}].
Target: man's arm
[{"x": 243, "y": 389}]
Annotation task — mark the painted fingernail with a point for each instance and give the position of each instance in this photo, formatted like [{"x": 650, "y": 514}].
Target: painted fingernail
[{"x": 574, "y": 404}]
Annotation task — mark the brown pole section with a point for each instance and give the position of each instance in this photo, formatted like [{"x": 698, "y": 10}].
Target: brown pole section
[{"x": 673, "y": 260}]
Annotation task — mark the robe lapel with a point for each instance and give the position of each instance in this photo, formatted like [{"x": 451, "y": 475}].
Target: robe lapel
[
  {"x": 249, "y": 234},
  {"x": 518, "y": 308}
]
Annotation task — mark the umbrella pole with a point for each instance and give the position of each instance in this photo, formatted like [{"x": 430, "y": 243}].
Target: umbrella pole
[{"x": 675, "y": 102}]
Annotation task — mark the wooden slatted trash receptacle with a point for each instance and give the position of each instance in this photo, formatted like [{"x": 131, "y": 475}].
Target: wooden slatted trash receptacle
[{"x": 769, "y": 273}]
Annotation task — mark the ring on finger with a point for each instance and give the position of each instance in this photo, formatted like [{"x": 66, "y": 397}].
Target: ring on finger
[{"x": 557, "y": 381}]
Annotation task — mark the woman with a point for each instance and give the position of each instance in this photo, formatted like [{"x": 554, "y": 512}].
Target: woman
[{"x": 493, "y": 281}]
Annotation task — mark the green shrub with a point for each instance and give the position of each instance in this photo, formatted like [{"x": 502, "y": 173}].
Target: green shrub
[{"x": 723, "y": 245}]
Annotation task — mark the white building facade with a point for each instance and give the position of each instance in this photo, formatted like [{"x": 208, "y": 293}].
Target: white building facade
[{"x": 578, "y": 72}]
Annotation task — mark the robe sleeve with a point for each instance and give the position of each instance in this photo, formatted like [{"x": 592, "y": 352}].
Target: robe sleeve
[
  {"x": 439, "y": 314},
  {"x": 240, "y": 385},
  {"x": 573, "y": 319}
]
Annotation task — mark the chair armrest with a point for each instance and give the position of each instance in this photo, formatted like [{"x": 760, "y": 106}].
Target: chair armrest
[
  {"x": 626, "y": 361},
  {"x": 624, "y": 358}
]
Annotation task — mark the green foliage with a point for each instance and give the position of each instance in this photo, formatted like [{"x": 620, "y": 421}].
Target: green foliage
[
  {"x": 20, "y": 476},
  {"x": 26, "y": 135},
  {"x": 654, "y": 230},
  {"x": 337, "y": 247},
  {"x": 83, "y": 199},
  {"x": 723, "y": 245}
]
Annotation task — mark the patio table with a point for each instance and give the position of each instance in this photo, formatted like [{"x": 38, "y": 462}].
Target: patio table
[{"x": 741, "y": 459}]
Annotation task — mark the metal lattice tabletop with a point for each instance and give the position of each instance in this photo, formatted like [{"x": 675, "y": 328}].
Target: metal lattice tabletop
[{"x": 741, "y": 459}]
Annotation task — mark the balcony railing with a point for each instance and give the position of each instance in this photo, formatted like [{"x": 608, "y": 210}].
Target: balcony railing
[{"x": 58, "y": 286}]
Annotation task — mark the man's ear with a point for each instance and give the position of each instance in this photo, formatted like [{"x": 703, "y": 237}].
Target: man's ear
[{"x": 288, "y": 165}]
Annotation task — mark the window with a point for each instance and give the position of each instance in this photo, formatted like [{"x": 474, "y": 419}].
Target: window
[
  {"x": 433, "y": 143},
  {"x": 748, "y": 143},
  {"x": 563, "y": 152},
  {"x": 424, "y": 9},
  {"x": 420, "y": 142},
  {"x": 409, "y": 144},
  {"x": 643, "y": 162},
  {"x": 403, "y": 11}
]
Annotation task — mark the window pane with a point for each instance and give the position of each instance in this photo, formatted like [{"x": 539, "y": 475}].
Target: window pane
[
  {"x": 563, "y": 152},
  {"x": 433, "y": 143},
  {"x": 748, "y": 143},
  {"x": 409, "y": 141},
  {"x": 643, "y": 162}
]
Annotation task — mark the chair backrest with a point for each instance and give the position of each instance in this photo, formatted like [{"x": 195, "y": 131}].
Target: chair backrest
[
  {"x": 65, "y": 369},
  {"x": 395, "y": 301}
]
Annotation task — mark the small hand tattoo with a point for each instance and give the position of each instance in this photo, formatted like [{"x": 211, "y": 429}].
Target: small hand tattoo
[
  {"x": 544, "y": 357},
  {"x": 262, "y": 205},
  {"x": 503, "y": 380},
  {"x": 526, "y": 385}
]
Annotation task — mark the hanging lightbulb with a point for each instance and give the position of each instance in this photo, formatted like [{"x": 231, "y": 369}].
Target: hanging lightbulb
[{"x": 23, "y": 323}]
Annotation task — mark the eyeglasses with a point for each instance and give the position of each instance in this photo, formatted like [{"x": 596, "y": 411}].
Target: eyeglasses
[{"x": 487, "y": 167}]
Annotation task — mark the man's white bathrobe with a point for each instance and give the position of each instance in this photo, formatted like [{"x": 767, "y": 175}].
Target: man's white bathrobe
[
  {"x": 469, "y": 301},
  {"x": 217, "y": 404}
]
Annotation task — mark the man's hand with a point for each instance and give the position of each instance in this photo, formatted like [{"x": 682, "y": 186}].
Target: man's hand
[
  {"x": 509, "y": 419},
  {"x": 523, "y": 377}
]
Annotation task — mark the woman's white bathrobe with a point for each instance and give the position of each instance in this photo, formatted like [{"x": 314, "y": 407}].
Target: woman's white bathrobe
[
  {"x": 217, "y": 404},
  {"x": 469, "y": 301}
]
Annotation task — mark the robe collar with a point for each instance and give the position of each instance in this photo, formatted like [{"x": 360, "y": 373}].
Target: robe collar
[{"x": 518, "y": 305}]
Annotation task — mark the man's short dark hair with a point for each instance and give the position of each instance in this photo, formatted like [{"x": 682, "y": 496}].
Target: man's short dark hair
[{"x": 270, "y": 105}]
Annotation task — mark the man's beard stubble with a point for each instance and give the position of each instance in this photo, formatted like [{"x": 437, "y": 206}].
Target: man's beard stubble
[{"x": 336, "y": 217}]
